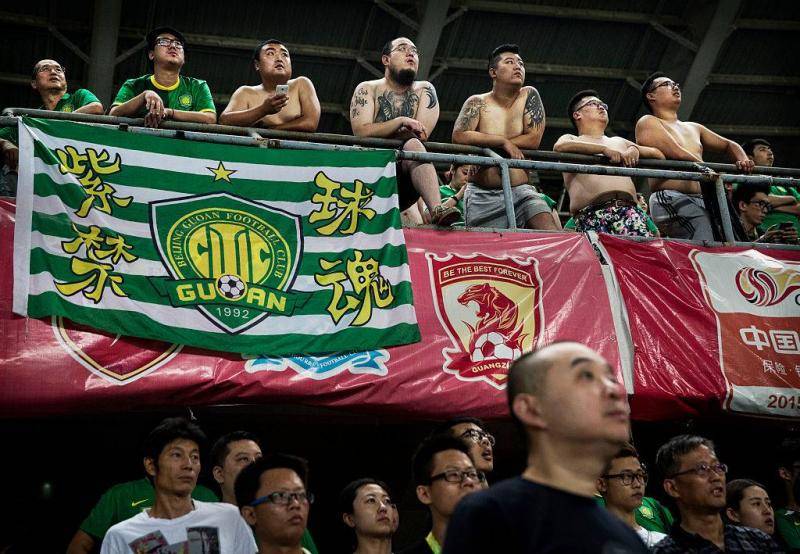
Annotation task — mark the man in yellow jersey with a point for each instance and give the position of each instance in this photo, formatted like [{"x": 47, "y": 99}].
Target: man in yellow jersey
[{"x": 165, "y": 94}]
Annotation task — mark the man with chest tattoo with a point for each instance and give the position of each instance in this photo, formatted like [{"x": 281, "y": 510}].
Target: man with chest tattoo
[
  {"x": 297, "y": 110},
  {"x": 678, "y": 207},
  {"x": 397, "y": 106},
  {"x": 602, "y": 203},
  {"x": 509, "y": 117}
]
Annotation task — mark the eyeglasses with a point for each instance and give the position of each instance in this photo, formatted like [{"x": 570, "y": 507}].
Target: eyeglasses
[
  {"x": 455, "y": 476},
  {"x": 478, "y": 436},
  {"x": 165, "y": 42},
  {"x": 281, "y": 498},
  {"x": 673, "y": 84},
  {"x": 374, "y": 500},
  {"x": 406, "y": 49},
  {"x": 704, "y": 470},
  {"x": 595, "y": 103},
  {"x": 54, "y": 68},
  {"x": 763, "y": 204},
  {"x": 627, "y": 477}
]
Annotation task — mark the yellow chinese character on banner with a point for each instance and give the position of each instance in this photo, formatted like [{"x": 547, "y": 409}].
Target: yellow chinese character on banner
[
  {"x": 370, "y": 288},
  {"x": 340, "y": 206},
  {"x": 94, "y": 285},
  {"x": 89, "y": 168}
]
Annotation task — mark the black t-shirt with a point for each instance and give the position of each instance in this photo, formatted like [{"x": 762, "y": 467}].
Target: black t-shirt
[{"x": 518, "y": 516}]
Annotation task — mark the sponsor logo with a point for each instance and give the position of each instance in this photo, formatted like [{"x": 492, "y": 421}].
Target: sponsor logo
[
  {"x": 491, "y": 309},
  {"x": 767, "y": 287},
  {"x": 233, "y": 259},
  {"x": 371, "y": 362},
  {"x": 116, "y": 359}
]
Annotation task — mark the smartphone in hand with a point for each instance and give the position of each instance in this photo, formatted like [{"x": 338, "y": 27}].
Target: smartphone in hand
[{"x": 282, "y": 89}]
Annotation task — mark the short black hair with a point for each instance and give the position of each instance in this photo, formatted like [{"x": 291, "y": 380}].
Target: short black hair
[
  {"x": 494, "y": 57},
  {"x": 734, "y": 492},
  {"x": 627, "y": 450},
  {"x": 575, "y": 100},
  {"x": 387, "y": 48},
  {"x": 348, "y": 494},
  {"x": 647, "y": 85},
  {"x": 153, "y": 35},
  {"x": 257, "y": 51},
  {"x": 221, "y": 449},
  {"x": 789, "y": 452},
  {"x": 168, "y": 430},
  {"x": 749, "y": 146},
  {"x": 446, "y": 426},
  {"x": 248, "y": 480},
  {"x": 744, "y": 192},
  {"x": 668, "y": 456},
  {"x": 422, "y": 463}
]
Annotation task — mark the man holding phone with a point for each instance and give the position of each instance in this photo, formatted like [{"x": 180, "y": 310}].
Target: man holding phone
[
  {"x": 752, "y": 204},
  {"x": 279, "y": 102}
]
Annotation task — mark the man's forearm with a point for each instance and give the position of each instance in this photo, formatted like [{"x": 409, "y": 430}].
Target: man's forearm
[
  {"x": 304, "y": 123},
  {"x": 476, "y": 138},
  {"x": 243, "y": 118},
  {"x": 95, "y": 108},
  {"x": 129, "y": 108},
  {"x": 579, "y": 147},
  {"x": 529, "y": 141},
  {"x": 384, "y": 129},
  {"x": 193, "y": 117}
]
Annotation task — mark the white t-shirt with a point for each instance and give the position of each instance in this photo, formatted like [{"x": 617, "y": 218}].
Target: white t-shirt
[
  {"x": 650, "y": 538},
  {"x": 212, "y": 527}
]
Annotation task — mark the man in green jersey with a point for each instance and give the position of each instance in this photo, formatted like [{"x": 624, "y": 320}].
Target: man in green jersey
[
  {"x": 49, "y": 80},
  {"x": 787, "y": 519},
  {"x": 785, "y": 201},
  {"x": 165, "y": 94}
]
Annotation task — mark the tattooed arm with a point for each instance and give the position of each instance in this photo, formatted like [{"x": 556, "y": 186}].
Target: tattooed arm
[
  {"x": 465, "y": 129},
  {"x": 428, "y": 110},
  {"x": 533, "y": 122},
  {"x": 366, "y": 122}
]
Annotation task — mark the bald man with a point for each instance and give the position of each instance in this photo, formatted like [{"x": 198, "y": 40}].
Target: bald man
[{"x": 574, "y": 414}]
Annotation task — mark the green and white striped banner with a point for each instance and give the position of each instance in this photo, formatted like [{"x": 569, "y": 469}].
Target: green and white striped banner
[{"x": 218, "y": 246}]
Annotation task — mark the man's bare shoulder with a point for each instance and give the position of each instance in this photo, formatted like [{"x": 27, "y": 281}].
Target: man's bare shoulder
[
  {"x": 367, "y": 87},
  {"x": 647, "y": 120},
  {"x": 301, "y": 81},
  {"x": 249, "y": 90}
]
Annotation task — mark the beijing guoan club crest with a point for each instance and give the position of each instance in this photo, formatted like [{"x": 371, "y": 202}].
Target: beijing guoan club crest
[
  {"x": 491, "y": 309},
  {"x": 233, "y": 259}
]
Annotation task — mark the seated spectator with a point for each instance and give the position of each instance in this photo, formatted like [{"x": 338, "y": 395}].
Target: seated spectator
[
  {"x": 274, "y": 500},
  {"x": 787, "y": 519},
  {"x": 752, "y": 203},
  {"x": 472, "y": 431},
  {"x": 397, "y": 106},
  {"x": 785, "y": 201},
  {"x": 695, "y": 480},
  {"x": 680, "y": 208},
  {"x": 297, "y": 110},
  {"x": 165, "y": 95},
  {"x": 443, "y": 474},
  {"x": 172, "y": 460},
  {"x": 452, "y": 193},
  {"x": 367, "y": 508},
  {"x": 49, "y": 80},
  {"x": 118, "y": 503},
  {"x": 748, "y": 504},
  {"x": 622, "y": 487},
  {"x": 574, "y": 415},
  {"x": 509, "y": 117},
  {"x": 602, "y": 203}
]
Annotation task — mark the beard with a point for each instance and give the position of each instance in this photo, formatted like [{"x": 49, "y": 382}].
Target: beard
[{"x": 404, "y": 77}]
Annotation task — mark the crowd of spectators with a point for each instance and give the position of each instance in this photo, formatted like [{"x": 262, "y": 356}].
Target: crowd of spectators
[
  {"x": 508, "y": 118},
  {"x": 582, "y": 489}
]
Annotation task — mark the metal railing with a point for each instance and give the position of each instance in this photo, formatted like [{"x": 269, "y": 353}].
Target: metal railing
[{"x": 438, "y": 152}]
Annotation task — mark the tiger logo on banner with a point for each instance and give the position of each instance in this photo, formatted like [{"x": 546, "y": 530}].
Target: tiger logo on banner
[
  {"x": 491, "y": 309},
  {"x": 756, "y": 301}
]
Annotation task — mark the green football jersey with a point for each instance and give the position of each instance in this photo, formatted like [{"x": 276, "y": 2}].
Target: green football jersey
[
  {"x": 775, "y": 217},
  {"x": 787, "y": 524},
  {"x": 71, "y": 102},
  {"x": 651, "y": 515},
  {"x": 187, "y": 94}
]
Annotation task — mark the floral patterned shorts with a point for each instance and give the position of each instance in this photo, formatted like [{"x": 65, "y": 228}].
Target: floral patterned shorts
[{"x": 616, "y": 219}]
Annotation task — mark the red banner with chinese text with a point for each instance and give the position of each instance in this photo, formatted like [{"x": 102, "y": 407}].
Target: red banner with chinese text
[
  {"x": 711, "y": 327},
  {"x": 480, "y": 298}
]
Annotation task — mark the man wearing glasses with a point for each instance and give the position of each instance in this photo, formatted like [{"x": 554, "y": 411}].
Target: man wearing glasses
[
  {"x": 165, "y": 94},
  {"x": 680, "y": 208},
  {"x": 272, "y": 497},
  {"x": 602, "y": 203},
  {"x": 471, "y": 431},
  {"x": 443, "y": 474},
  {"x": 622, "y": 487},
  {"x": 176, "y": 522},
  {"x": 396, "y": 106},
  {"x": 695, "y": 480},
  {"x": 751, "y": 202}
]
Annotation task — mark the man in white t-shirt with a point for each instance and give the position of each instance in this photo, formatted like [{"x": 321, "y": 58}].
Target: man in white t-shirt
[
  {"x": 176, "y": 522},
  {"x": 622, "y": 487}
]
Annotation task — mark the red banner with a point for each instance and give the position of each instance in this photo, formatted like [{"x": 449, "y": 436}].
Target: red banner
[
  {"x": 480, "y": 298},
  {"x": 710, "y": 327}
]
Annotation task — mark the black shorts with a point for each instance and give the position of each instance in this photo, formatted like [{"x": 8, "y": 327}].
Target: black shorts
[{"x": 407, "y": 195}]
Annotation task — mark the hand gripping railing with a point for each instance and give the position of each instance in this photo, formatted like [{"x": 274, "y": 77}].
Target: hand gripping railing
[{"x": 444, "y": 153}]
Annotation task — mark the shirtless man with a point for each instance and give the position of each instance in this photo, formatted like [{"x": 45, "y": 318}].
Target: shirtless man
[
  {"x": 602, "y": 203},
  {"x": 260, "y": 104},
  {"x": 510, "y": 117},
  {"x": 678, "y": 207},
  {"x": 397, "y": 106}
]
